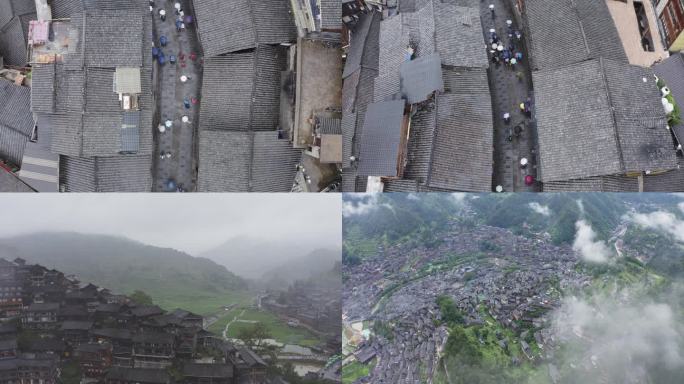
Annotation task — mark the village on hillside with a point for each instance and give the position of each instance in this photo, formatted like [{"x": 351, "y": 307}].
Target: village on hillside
[{"x": 55, "y": 328}]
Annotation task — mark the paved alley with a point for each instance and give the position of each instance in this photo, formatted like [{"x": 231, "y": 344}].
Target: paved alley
[
  {"x": 175, "y": 165},
  {"x": 510, "y": 86}
]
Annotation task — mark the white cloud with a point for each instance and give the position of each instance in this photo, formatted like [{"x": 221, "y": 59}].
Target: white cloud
[
  {"x": 361, "y": 204},
  {"x": 585, "y": 243},
  {"x": 459, "y": 197},
  {"x": 662, "y": 221},
  {"x": 540, "y": 209},
  {"x": 624, "y": 340}
]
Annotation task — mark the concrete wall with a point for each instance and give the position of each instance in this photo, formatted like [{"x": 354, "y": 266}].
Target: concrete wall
[{"x": 626, "y": 21}]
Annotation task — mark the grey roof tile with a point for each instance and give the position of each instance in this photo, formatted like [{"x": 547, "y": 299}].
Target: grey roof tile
[
  {"x": 462, "y": 25},
  {"x": 381, "y": 138},
  {"x": 420, "y": 144},
  {"x": 102, "y": 50},
  {"x": 421, "y": 77},
  {"x": 331, "y": 14},
  {"x": 43, "y": 88},
  {"x": 462, "y": 156},
  {"x": 229, "y": 26},
  {"x": 77, "y": 174},
  {"x": 15, "y": 107},
  {"x": 246, "y": 162},
  {"x": 12, "y": 144},
  {"x": 579, "y": 30},
  {"x": 599, "y": 118},
  {"x": 401, "y": 185},
  {"x": 124, "y": 174},
  {"x": 67, "y": 131},
  {"x": 9, "y": 182},
  {"x": 611, "y": 183},
  {"x": 241, "y": 91}
]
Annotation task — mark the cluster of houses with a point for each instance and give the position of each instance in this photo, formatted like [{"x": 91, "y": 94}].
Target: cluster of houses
[
  {"x": 313, "y": 304},
  {"x": 50, "y": 322},
  {"x": 515, "y": 281},
  {"x": 418, "y": 114}
]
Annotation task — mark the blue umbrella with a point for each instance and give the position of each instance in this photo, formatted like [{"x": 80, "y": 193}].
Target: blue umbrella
[{"x": 162, "y": 41}]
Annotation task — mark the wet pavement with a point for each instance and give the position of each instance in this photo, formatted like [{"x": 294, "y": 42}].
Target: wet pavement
[
  {"x": 181, "y": 139},
  {"x": 510, "y": 86}
]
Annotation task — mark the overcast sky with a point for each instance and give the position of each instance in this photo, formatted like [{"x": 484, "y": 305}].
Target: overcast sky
[{"x": 188, "y": 222}]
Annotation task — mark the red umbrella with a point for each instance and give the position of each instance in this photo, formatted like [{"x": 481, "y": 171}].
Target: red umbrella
[{"x": 529, "y": 180}]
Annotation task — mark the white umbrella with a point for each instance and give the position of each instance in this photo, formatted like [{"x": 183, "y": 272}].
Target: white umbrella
[
  {"x": 185, "y": 119},
  {"x": 513, "y": 61},
  {"x": 492, "y": 30},
  {"x": 499, "y": 188},
  {"x": 523, "y": 161},
  {"x": 183, "y": 78},
  {"x": 499, "y": 48},
  {"x": 177, "y": 5},
  {"x": 495, "y": 45},
  {"x": 169, "y": 123},
  {"x": 162, "y": 128}
]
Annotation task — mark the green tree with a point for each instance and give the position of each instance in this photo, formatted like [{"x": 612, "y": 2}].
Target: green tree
[
  {"x": 450, "y": 312},
  {"x": 141, "y": 297},
  {"x": 254, "y": 335}
]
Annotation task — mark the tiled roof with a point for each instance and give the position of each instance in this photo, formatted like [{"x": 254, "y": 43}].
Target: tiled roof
[
  {"x": 462, "y": 149},
  {"x": 11, "y": 183},
  {"x": 246, "y": 162},
  {"x": 394, "y": 41},
  {"x": 420, "y": 26},
  {"x": 359, "y": 36},
  {"x": 459, "y": 24},
  {"x": 241, "y": 91},
  {"x": 331, "y": 14},
  {"x": 402, "y": 185},
  {"x": 329, "y": 125},
  {"x": 15, "y": 107},
  {"x": 597, "y": 118},
  {"x": 421, "y": 77},
  {"x": 229, "y": 26},
  {"x": 106, "y": 174},
  {"x": 102, "y": 49},
  {"x": 578, "y": 30},
  {"x": 671, "y": 181},
  {"x": 16, "y": 121},
  {"x": 612, "y": 183},
  {"x": 381, "y": 139},
  {"x": 14, "y": 19},
  {"x": 420, "y": 144}
]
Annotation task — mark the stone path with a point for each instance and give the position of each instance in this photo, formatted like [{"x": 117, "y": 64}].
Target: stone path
[
  {"x": 181, "y": 139},
  {"x": 508, "y": 91}
]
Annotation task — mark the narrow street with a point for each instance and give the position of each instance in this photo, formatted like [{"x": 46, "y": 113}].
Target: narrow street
[
  {"x": 179, "y": 170},
  {"x": 510, "y": 86}
]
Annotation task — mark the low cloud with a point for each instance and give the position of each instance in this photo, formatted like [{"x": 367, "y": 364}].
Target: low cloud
[
  {"x": 620, "y": 342},
  {"x": 662, "y": 221},
  {"x": 586, "y": 245},
  {"x": 361, "y": 204},
  {"x": 459, "y": 197},
  {"x": 540, "y": 209}
]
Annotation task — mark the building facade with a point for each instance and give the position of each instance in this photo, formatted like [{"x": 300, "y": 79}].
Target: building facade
[{"x": 671, "y": 15}]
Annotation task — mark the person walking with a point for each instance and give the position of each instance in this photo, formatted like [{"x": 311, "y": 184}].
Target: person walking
[
  {"x": 162, "y": 14},
  {"x": 491, "y": 9}
]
